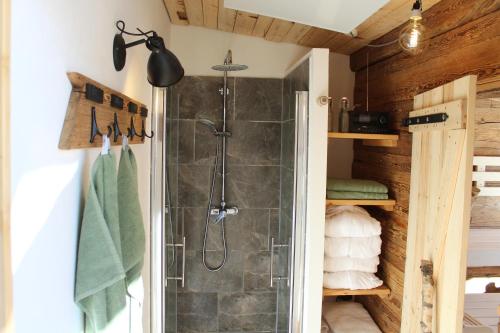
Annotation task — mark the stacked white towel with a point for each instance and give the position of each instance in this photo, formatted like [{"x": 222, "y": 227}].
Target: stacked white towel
[{"x": 352, "y": 247}]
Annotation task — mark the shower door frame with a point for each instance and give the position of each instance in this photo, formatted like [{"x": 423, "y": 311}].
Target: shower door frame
[{"x": 307, "y": 291}]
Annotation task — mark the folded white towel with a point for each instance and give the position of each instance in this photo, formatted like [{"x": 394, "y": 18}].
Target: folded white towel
[
  {"x": 333, "y": 210},
  {"x": 351, "y": 280},
  {"x": 348, "y": 317},
  {"x": 341, "y": 264},
  {"x": 355, "y": 247},
  {"x": 351, "y": 224}
]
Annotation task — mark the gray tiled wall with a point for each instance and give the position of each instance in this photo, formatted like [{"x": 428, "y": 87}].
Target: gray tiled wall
[{"x": 238, "y": 297}]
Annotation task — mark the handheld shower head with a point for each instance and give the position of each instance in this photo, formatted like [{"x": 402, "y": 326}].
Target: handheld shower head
[{"x": 210, "y": 124}]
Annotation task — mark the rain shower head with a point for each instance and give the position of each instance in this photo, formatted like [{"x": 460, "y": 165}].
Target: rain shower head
[{"x": 228, "y": 65}]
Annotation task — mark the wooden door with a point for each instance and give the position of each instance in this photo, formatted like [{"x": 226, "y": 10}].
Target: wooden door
[{"x": 440, "y": 199}]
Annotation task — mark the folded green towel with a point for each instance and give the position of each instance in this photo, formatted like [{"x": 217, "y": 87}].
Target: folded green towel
[
  {"x": 133, "y": 239},
  {"x": 355, "y": 185},
  {"x": 100, "y": 278},
  {"x": 356, "y": 195}
]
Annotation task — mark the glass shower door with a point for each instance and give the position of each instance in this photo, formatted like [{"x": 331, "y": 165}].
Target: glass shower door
[{"x": 299, "y": 245}]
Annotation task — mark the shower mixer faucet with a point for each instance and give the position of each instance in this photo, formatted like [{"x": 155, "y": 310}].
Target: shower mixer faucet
[{"x": 223, "y": 212}]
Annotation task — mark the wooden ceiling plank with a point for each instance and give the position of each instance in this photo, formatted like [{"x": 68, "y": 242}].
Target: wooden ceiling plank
[
  {"x": 245, "y": 23},
  {"x": 194, "y": 11},
  {"x": 438, "y": 20},
  {"x": 393, "y": 14},
  {"x": 262, "y": 25},
  {"x": 176, "y": 11},
  {"x": 296, "y": 33},
  {"x": 316, "y": 37},
  {"x": 226, "y": 18},
  {"x": 210, "y": 13},
  {"x": 278, "y": 30}
]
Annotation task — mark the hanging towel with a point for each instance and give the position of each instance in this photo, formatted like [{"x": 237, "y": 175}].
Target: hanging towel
[
  {"x": 355, "y": 185},
  {"x": 133, "y": 239},
  {"x": 100, "y": 278}
]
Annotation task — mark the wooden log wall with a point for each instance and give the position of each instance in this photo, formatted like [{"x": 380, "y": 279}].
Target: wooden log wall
[{"x": 464, "y": 38}]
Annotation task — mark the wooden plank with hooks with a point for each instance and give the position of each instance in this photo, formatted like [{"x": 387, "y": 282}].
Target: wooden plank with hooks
[{"x": 76, "y": 131}]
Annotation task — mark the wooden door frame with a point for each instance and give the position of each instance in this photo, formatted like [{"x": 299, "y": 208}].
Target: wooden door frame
[{"x": 6, "y": 314}]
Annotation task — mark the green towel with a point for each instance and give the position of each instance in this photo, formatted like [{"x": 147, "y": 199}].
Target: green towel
[
  {"x": 356, "y": 195},
  {"x": 355, "y": 185},
  {"x": 100, "y": 278},
  {"x": 133, "y": 239}
]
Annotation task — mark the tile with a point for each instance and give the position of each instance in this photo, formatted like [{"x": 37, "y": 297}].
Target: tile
[
  {"x": 248, "y": 303},
  {"x": 254, "y": 143},
  {"x": 199, "y": 279},
  {"x": 257, "y": 272},
  {"x": 258, "y": 99},
  {"x": 199, "y": 96},
  {"x": 205, "y": 143},
  {"x": 288, "y": 144},
  {"x": 194, "y": 229},
  {"x": 202, "y": 304},
  {"x": 253, "y": 186},
  {"x": 287, "y": 98},
  {"x": 253, "y": 233},
  {"x": 192, "y": 323},
  {"x": 193, "y": 185},
  {"x": 247, "y": 312},
  {"x": 186, "y": 141}
]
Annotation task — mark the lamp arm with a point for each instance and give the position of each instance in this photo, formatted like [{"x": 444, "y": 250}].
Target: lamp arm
[{"x": 137, "y": 42}]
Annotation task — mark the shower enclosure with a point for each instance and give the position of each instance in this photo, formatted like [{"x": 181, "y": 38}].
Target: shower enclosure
[{"x": 246, "y": 262}]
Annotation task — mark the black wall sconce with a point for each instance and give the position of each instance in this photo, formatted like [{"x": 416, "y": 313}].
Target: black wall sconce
[{"x": 164, "y": 69}]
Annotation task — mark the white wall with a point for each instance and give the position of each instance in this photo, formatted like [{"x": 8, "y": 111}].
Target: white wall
[
  {"x": 340, "y": 152},
  {"x": 198, "y": 49},
  {"x": 50, "y": 38}
]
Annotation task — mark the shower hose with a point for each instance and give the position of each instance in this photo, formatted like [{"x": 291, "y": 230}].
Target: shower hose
[{"x": 207, "y": 220}]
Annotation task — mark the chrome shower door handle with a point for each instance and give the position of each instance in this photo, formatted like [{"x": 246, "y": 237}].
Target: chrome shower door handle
[
  {"x": 271, "y": 272},
  {"x": 271, "y": 277},
  {"x": 183, "y": 261},
  {"x": 183, "y": 274}
]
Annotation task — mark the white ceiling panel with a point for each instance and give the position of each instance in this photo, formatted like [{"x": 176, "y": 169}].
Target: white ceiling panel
[{"x": 337, "y": 15}]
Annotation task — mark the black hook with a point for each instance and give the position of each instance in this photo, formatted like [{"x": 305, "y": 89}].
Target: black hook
[
  {"x": 116, "y": 128},
  {"x": 143, "y": 134},
  {"x": 131, "y": 130},
  {"x": 94, "y": 130}
]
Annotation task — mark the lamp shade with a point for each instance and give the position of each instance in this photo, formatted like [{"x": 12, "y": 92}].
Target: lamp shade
[{"x": 164, "y": 69}]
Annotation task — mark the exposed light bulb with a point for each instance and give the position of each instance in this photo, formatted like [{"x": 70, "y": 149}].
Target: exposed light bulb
[{"x": 411, "y": 36}]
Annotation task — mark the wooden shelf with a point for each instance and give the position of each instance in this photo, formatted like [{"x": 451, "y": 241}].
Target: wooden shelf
[
  {"x": 387, "y": 205},
  {"x": 382, "y": 291},
  {"x": 378, "y": 140}
]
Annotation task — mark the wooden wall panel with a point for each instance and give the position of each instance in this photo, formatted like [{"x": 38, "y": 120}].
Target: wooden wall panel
[{"x": 465, "y": 40}]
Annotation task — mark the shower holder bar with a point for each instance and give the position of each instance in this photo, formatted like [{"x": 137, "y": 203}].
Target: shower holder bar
[
  {"x": 272, "y": 278},
  {"x": 182, "y": 277}
]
